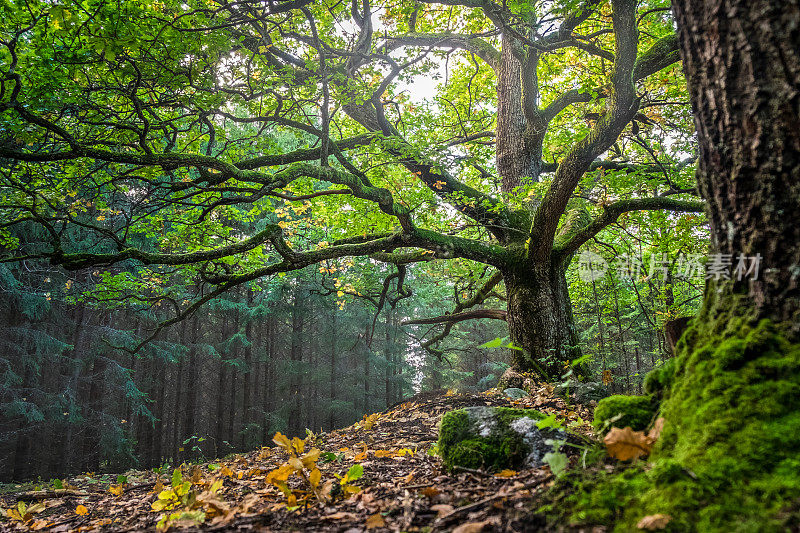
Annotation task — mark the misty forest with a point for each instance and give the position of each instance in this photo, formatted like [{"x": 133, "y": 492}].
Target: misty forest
[{"x": 400, "y": 265}]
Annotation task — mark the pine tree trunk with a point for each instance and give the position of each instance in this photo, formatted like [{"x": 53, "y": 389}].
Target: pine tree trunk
[
  {"x": 332, "y": 376},
  {"x": 296, "y": 357}
]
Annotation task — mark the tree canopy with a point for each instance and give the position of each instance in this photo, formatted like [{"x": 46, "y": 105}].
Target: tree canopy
[{"x": 238, "y": 140}]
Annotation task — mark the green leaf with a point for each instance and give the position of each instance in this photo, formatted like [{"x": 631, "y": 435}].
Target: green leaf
[
  {"x": 549, "y": 422},
  {"x": 494, "y": 343},
  {"x": 557, "y": 461},
  {"x": 327, "y": 457},
  {"x": 355, "y": 472},
  {"x": 177, "y": 479},
  {"x": 122, "y": 479}
]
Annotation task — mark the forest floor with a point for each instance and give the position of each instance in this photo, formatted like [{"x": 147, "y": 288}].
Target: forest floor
[{"x": 403, "y": 486}]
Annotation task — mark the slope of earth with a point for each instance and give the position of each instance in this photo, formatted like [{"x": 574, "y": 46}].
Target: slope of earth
[{"x": 403, "y": 486}]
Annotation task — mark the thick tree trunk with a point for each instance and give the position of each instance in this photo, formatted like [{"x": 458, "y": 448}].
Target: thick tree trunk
[
  {"x": 540, "y": 321},
  {"x": 733, "y": 408}
]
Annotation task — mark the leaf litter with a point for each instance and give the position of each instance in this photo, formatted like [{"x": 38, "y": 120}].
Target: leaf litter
[{"x": 380, "y": 474}]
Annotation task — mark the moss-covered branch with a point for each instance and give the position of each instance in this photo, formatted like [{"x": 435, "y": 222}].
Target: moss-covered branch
[{"x": 612, "y": 212}]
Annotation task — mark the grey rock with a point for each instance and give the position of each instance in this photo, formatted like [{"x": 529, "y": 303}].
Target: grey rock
[
  {"x": 515, "y": 393},
  {"x": 582, "y": 392},
  {"x": 495, "y": 438}
]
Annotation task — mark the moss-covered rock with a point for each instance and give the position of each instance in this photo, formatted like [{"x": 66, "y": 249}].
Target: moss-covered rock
[
  {"x": 660, "y": 378},
  {"x": 493, "y": 438},
  {"x": 623, "y": 411}
]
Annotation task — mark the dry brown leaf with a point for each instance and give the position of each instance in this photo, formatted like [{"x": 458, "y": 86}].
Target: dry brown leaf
[
  {"x": 375, "y": 521},
  {"x": 655, "y": 431},
  {"x": 38, "y": 525},
  {"x": 625, "y": 444},
  {"x": 442, "y": 509},
  {"x": 471, "y": 527},
  {"x": 430, "y": 492},
  {"x": 159, "y": 486},
  {"x": 654, "y": 522}
]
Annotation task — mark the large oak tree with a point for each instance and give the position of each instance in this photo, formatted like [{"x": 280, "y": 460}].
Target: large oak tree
[{"x": 243, "y": 139}]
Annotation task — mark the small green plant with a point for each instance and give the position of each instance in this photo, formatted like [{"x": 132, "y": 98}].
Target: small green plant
[
  {"x": 304, "y": 466},
  {"x": 188, "y": 507},
  {"x": 354, "y": 474},
  {"x": 23, "y": 513}
]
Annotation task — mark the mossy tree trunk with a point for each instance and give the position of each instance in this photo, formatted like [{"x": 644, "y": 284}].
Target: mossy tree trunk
[
  {"x": 540, "y": 319},
  {"x": 733, "y": 408}
]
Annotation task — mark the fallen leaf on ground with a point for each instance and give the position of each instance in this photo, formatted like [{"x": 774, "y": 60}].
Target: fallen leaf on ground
[
  {"x": 81, "y": 510},
  {"x": 506, "y": 473},
  {"x": 625, "y": 444},
  {"x": 654, "y": 522},
  {"x": 471, "y": 527},
  {"x": 375, "y": 521},
  {"x": 442, "y": 509},
  {"x": 655, "y": 431}
]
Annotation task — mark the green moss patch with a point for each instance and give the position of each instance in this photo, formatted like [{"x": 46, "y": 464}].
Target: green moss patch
[
  {"x": 728, "y": 459},
  {"x": 623, "y": 411},
  {"x": 461, "y": 442}
]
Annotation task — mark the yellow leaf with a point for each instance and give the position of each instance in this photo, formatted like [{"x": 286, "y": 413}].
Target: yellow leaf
[
  {"x": 625, "y": 444},
  {"x": 384, "y": 453},
  {"x": 361, "y": 456},
  {"x": 350, "y": 489},
  {"x": 315, "y": 477},
  {"x": 280, "y": 474},
  {"x": 160, "y": 505},
  {"x": 81, "y": 510},
  {"x": 298, "y": 444},
  {"x": 282, "y": 441},
  {"x": 506, "y": 473},
  {"x": 226, "y": 471},
  {"x": 216, "y": 486},
  {"x": 310, "y": 458},
  {"x": 654, "y": 522},
  {"x": 375, "y": 521},
  {"x": 116, "y": 490}
]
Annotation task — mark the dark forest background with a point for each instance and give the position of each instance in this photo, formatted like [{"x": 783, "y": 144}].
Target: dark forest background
[{"x": 305, "y": 351}]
